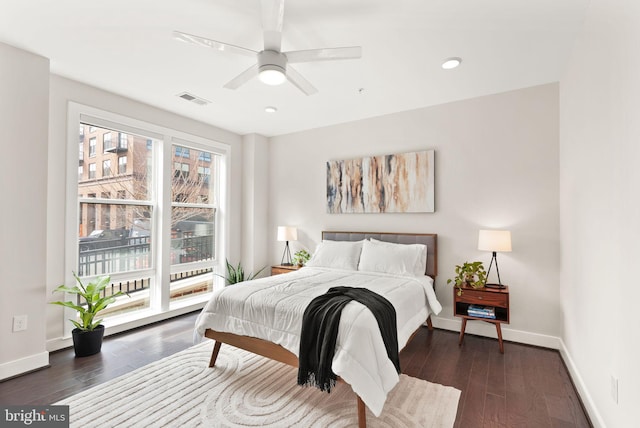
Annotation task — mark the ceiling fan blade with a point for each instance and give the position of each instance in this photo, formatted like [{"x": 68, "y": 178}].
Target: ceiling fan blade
[
  {"x": 300, "y": 82},
  {"x": 214, "y": 44},
  {"x": 243, "y": 77},
  {"x": 272, "y": 15},
  {"x": 352, "y": 52}
]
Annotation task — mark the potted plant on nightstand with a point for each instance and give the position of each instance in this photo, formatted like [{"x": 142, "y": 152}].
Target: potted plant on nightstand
[
  {"x": 300, "y": 258},
  {"x": 471, "y": 274},
  {"x": 88, "y": 334}
]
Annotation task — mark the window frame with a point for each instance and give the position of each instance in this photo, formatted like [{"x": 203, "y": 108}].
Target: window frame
[{"x": 160, "y": 203}]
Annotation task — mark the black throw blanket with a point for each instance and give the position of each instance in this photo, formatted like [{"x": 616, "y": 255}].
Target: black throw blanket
[{"x": 320, "y": 332}]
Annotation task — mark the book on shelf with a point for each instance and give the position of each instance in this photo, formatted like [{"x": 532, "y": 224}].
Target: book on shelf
[
  {"x": 481, "y": 311},
  {"x": 490, "y": 317}
]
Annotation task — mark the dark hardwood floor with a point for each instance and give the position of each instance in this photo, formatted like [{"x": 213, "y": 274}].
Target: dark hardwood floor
[{"x": 525, "y": 387}]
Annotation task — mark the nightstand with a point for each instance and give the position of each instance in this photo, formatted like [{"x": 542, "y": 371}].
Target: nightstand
[
  {"x": 277, "y": 270},
  {"x": 497, "y": 298}
]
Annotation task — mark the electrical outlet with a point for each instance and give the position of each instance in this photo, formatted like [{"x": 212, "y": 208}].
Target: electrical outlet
[
  {"x": 614, "y": 389},
  {"x": 19, "y": 323}
]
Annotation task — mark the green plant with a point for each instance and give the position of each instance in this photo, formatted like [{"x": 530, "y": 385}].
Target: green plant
[
  {"x": 471, "y": 274},
  {"x": 301, "y": 257},
  {"x": 91, "y": 293},
  {"x": 236, "y": 274}
]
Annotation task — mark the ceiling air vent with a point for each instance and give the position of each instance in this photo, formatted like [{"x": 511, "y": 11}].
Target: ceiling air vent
[{"x": 194, "y": 99}]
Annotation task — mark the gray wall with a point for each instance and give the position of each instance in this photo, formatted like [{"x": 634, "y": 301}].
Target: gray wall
[
  {"x": 24, "y": 99},
  {"x": 496, "y": 166},
  {"x": 600, "y": 211}
]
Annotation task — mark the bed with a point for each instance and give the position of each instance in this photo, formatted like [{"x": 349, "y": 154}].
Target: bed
[{"x": 264, "y": 316}]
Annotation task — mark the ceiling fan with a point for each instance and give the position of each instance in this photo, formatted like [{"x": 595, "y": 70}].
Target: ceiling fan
[{"x": 272, "y": 66}]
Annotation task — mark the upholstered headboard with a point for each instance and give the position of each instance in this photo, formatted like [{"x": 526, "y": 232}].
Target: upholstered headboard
[{"x": 428, "y": 239}]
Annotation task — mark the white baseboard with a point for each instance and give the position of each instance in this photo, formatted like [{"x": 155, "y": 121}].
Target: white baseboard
[
  {"x": 489, "y": 330},
  {"x": 24, "y": 365},
  {"x": 587, "y": 401}
]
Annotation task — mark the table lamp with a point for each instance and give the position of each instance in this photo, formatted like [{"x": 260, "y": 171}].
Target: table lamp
[
  {"x": 494, "y": 241},
  {"x": 287, "y": 233}
]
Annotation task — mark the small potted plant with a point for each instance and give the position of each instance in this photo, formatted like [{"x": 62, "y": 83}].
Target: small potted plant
[
  {"x": 301, "y": 257},
  {"x": 470, "y": 274},
  {"x": 88, "y": 334}
]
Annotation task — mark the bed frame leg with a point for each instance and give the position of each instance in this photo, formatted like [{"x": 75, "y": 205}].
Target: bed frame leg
[
  {"x": 214, "y": 354},
  {"x": 429, "y": 324},
  {"x": 362, "y": 415}
]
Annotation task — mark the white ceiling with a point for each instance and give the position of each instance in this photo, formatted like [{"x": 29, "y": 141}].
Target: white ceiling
[{"x": 126, "y": 47}]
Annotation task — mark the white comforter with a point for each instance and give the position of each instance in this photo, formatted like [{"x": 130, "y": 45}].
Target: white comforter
[{"x": 271, "y": 309}]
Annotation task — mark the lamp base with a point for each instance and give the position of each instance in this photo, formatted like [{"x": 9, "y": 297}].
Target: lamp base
[
  {"x": 495, "y": 286},
  {"x": 286, "y": 264}
]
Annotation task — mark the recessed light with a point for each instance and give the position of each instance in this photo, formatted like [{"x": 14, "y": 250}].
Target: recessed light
[
  {"x": 452, "y": 62},
  {"x": 270, "y": 109}
]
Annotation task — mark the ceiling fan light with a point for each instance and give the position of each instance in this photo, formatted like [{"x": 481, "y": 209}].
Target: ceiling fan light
[
  {"x": 450, "y": 63},
  {"x": 272, "y": 75}
]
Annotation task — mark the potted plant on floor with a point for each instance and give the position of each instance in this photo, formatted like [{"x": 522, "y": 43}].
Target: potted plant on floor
[
  {"x": 88, "y": 334},
  {"x": 236, "y": 274},
  {"x": 470, "y": 274}
]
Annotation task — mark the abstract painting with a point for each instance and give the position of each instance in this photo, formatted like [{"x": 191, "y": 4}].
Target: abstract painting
[{"x": 399, "y": 183}]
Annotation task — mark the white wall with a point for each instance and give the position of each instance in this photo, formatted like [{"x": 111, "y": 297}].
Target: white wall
[
  {"x": 496, "y": 167},
  {"x": 24, "y": 96},
  {"x": 65, "y": 90},
  {"x": 600, "y": 210}
]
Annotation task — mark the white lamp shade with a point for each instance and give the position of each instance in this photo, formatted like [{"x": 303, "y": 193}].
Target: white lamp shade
[
  {"x": 494, "y": 240},
  {"x": 287, "y": 233}
]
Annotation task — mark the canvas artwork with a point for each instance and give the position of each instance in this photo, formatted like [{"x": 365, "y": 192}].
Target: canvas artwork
[{"x": 399, "y": 183}]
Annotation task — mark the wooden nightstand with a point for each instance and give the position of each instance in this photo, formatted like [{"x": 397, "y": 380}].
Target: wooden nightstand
[
  {"x": 277, "y": 270},
  {"x": 495, "y": 297}
]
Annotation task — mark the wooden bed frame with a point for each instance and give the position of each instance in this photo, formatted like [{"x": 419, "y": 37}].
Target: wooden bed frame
[{"x": 278, "y": 353}]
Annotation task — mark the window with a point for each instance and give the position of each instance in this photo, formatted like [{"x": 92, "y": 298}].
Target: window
[
  {"x": 124, "y": 221},
  {"x": 81, "y": 152},
  {"x": 122, "y": 165},
  {"x": 92, "y": 147},
  {"x": 105, "y": 216},
  {"x": 182, "y": 152},
  {"x": 106, "y": 142},
  {"x": 193, "y": 213},
  {"x": 123, "y": 141},
  {"x": 203, "y": 174},
  {"x": 92, "y": 129},
  {"x": 106, "y": 167},
  {"x": 181, "y": 170}
]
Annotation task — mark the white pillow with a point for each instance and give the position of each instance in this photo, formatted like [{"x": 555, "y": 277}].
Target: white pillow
[
  {"x": 337, "y": 255},
  {"x": 399, "y": 259}
]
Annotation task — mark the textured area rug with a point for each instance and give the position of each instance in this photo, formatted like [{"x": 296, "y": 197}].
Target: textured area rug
[{"x": 246, "y": 390}]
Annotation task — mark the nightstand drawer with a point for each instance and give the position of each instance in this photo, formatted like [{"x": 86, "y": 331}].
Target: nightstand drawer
[{"x": 484, "y": 298}]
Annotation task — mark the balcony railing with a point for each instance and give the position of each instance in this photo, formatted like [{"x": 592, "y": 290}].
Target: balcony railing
[
  {"x": 115, "y": 148},
  {"x": 102, "y": 257},
  {"x": 107, "y": 256}
]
